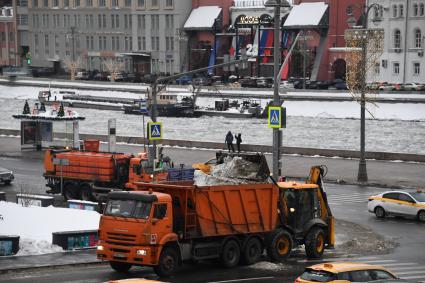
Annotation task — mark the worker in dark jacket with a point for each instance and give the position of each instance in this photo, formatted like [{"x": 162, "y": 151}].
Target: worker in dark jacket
[
  {"x": 229, "y": 141},
  {"x": 238, "y": 138}
]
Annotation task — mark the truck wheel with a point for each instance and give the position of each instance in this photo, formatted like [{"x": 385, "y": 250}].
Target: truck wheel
[
  {"x": 121, "y": 267},
  {"x": 168, "y": 262},
  {"x": 279, "y": 245},
  {"x": 230, "y": 254},
  {"x": 70, "y": 192},
  {"x": 315, "y": 243},
  {"x": 252, "y": 251},
  {"x": 86, "y": 193},
  {"x": 7, "y": 182}
]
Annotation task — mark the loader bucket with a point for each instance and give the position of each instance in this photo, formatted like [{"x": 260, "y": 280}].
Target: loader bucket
[{"x": 256, "y": 158}]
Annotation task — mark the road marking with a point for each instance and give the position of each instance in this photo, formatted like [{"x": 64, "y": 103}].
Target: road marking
[
  {"x": 411, "y": 272},
  {"x": 410, "y": 268},
  {"x": 243, "y": 279},
  {"x": 413, "y": 277},
  {"x": 400, "y": 264},
  {"x": 379, "y": 261}
]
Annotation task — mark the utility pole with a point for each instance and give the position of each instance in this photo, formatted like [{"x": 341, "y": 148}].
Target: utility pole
[{"x": 277, "y": 133}]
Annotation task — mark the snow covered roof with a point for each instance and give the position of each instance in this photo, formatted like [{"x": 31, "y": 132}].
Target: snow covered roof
[
  {"x": 306, "y": 15},
  {"x": 202, "y": 18}
]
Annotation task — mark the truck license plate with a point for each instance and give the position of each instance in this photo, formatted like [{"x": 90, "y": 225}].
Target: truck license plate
[{"x": 120, "y": 255}]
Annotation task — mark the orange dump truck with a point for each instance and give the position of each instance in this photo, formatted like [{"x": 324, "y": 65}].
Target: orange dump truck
[
  {"x": 162, "y": 225},
  {"x": 90, "y": 175}
]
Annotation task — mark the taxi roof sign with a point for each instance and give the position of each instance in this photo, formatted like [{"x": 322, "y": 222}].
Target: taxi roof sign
[
  {"x": 154, "y": 131},
  {"x": 276, "y": 117}
]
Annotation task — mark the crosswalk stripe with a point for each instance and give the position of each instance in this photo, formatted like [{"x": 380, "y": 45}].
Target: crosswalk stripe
[
  {"x": 413, "y": 277},
  {"x": 420, "y": 267},
  {"x": 411, "y": 272},
  {"x": 382, "y": 261},
  {"x": 399, "y": 264}
]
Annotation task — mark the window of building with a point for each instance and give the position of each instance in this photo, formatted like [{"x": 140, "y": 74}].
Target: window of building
[
  {"x": 169, "y": 3},
  {"x": 397, "y": 39},
  {"x": 55, "y": 3},
  {"x": 112, "y": 21},
  {"x": 396, "y": 68},
  {"x": 35, "y": 3},
  {"x": 117, "y": 21},
  {"x": 139, "y": 43},
  {"x": 46, "y": 44},
  {"x": 114, "y": 3},
  {"x": 377, "y": 68},
  {"x": 104, "y": 21},
  {"x": 154, "y": 3},
  {"x": 401, "y": 8},
  {"x": 57, "y": 45},
  {"x": 91, "y": 21},
  {"x": 77, "y": 3},
  {"x": 416, "y": 68},
  {"x": 143, "y": 43},
  {"x": 88, "y": 42},
  {"x": 418, "y": 38},
  {"x": 22, "y": 3},
  {"x": 46, "y": 3},
  {"x": 421, "y": 9},
  {"x": 89, "y": 3},
  {"x": 104, "y": 43},
  {"x": 66, "y": 3},
  {"x": 99, "y": 21},
  {"x": 125, "y": 21},
  {"x": 395, "y": 12},
  {"x": 415, "y": 9},
  {"x": 102, "y": 3},
  {"x": 141, "y": 3},
  {"x": 127, "y": 3}
]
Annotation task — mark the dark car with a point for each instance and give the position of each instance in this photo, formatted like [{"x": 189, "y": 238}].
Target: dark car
[
  {"x": 133, "y": 78},
  {"x": 6, "y": 176},
  {"x": 322, "y": 85},
  {"x": 299, "y": 83},
  {"x": 42, "y": 72},
  {"x": 184, "y": 80},
  {"x": 248, "y": 82},
  {"x": 101, "y": 76},
  {"x": 341, "y": 86}
]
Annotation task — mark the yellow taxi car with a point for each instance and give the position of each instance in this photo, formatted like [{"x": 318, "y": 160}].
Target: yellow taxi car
[
  {"x": 398, "y": 203},
  {"x": 344, "y": 272}
]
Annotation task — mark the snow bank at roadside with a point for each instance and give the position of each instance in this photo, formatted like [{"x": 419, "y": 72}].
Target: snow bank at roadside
[{"x": 35, "y": 225}]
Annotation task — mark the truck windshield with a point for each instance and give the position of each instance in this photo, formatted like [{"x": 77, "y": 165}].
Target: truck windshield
[{"x": 128, "y": 208}]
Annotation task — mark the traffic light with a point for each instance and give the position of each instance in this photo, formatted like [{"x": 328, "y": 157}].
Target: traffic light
[
  {"x": 29, "y": 61},
  {"x": 29, "y": 58}
]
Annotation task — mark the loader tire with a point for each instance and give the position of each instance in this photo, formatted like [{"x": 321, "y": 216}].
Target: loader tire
[
  {"x": 168, "y": 262},
  {"x": 230, "y": 254},
  {"x": 121, "y": 267},
  {"x": 279, "y": 245},
  {"x": 252, "y": 251},
  {"x": 315, "y": 243}
]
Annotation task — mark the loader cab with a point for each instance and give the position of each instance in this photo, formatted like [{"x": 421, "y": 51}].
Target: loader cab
[{"x": 301, "y": 204}]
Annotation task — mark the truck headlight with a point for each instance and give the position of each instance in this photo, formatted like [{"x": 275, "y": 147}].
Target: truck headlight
[
  {"x": 100, "y": 248},
  {"x": 141, "y": 252}
]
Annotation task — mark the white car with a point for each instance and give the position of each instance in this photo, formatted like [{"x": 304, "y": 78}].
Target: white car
[{"x": 398, "y": 203}]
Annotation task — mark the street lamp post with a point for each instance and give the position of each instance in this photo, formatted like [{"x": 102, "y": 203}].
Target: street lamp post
[
  {"x": 277, "y": 133},
  {"x": 363, "y": 34}
]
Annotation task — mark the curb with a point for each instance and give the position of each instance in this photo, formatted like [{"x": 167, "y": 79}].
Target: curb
[{"x": 49, "y": 267}]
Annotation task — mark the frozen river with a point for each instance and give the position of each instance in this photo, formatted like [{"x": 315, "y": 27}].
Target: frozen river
[{"x": 334, "y": 125}]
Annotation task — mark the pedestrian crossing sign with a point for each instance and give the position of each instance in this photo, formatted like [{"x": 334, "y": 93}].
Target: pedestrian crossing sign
[
  {"x": 154, "y": 131},
  {"x": 276, "y": 117}
]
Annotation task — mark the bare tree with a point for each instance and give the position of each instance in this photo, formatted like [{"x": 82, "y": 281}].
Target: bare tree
[
  {"x": 365, "y": 48},
  {"x": 113, "y": 66},
  {"x": 73, "y": 66}
]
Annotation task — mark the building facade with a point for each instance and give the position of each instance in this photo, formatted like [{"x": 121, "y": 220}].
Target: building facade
[
  {"x": 8, "y": 52},
  {"x": 145, "y": 35},
  {"x": 403, "y": 60},
  {"x": 342, "y": 14}
]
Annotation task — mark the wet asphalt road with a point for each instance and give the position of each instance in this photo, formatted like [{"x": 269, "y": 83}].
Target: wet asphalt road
[{"x": 348, "y": 203}]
